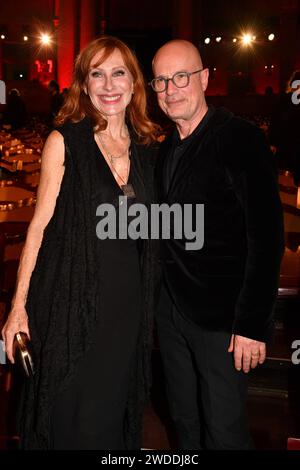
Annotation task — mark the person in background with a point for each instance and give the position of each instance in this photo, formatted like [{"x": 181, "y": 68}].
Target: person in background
[
  {"x": 15, "y": 112},
  {"x": 64, "y": 93},
  {"x": 56, "y": 100}
]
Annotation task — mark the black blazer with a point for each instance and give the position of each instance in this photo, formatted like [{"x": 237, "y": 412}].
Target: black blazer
[{"x": 231, "y": 282}]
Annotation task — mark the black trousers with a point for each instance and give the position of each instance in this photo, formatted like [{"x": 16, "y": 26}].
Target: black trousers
[{"x": 206, "y": 394}]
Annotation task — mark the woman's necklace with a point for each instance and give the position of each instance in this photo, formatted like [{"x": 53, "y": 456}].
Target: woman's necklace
[{"x": 126, "y": 188}]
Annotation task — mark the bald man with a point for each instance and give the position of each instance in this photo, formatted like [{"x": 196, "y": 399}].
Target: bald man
[{"x": 216, "y": 303}]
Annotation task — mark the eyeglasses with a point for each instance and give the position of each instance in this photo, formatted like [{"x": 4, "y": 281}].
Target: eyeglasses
[{"x": 179, "y": 79}]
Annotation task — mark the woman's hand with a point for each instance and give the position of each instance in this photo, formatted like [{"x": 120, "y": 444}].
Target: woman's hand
[{"x": 17, "y": 321}]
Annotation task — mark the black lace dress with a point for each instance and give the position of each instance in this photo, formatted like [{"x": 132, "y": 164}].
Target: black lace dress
[
  {"x": 89, "y": 414},
  {"x": 76, "y": 322}
]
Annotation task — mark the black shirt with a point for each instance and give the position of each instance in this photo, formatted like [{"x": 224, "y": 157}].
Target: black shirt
[{"x": 179, "y": 147}]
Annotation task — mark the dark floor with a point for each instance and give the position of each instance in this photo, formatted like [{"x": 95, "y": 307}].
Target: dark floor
[
  {"x": 273, "y": 407},
  {"x": 272, "y": 403}
]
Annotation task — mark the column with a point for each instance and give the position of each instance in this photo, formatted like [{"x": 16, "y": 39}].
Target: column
[
  {"x": 187, "y": 19},
  {"x": 66, "y": 42},
  {"x": 87, "y": 22},
  {"x": 288, "y": 40}
]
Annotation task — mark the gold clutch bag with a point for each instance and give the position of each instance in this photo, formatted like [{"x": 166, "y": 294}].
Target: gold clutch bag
[{"x": 23, "y": 354}]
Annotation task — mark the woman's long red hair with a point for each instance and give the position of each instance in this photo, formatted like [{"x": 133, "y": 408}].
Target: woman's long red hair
[{"x": 78, "y": 105}]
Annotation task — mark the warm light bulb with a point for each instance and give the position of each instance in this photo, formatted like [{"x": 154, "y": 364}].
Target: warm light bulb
[
  {"x": 247, "y": 39},
  {"x": 45, "y": 39}
]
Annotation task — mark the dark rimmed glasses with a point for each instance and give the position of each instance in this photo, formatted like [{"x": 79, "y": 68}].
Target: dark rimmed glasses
[{"x": 179, "y": 79}]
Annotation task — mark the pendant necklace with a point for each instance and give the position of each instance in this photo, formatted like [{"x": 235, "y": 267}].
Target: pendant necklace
[{"x": 127, "y": 188}]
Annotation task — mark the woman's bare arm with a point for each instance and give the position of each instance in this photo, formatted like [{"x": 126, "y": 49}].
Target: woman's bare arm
[{"x": 52, "y": 170}]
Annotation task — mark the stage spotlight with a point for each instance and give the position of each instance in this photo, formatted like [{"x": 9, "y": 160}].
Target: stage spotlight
[
  {"x": 218, "y": 39},
  {"x": 247, "y": 39},
  {"x": 45, "y": 39},
  {"x": 207, "y": 40},
  {"x": 271, "y": 37}
]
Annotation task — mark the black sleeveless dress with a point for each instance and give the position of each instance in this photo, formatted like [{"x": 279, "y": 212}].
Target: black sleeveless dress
[{"x": 90, "y": 413}]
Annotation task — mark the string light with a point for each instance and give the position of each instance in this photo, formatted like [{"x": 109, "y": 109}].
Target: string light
[{"x": 246, "y": 39}]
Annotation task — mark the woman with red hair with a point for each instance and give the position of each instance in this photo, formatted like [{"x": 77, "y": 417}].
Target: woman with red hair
[{"x": 85, "y": 300}]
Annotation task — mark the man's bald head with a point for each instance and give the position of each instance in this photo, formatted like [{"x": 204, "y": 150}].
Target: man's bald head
[
  {"x": 178, "y": 48},
  {"x": 184, "y": 104}
]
